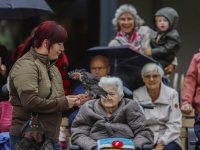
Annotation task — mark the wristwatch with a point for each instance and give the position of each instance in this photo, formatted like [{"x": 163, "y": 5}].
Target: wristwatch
[{"x": 2, "y": 67}]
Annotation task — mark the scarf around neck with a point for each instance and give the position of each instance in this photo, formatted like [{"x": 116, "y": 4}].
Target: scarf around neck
[{"x": 133, "y": 42}]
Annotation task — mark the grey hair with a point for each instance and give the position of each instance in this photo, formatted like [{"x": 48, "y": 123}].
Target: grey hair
[
  {"x": 151, "y": 67},
  {"x": 115, "y": 81},
  {"x": 126, "y": 8}
]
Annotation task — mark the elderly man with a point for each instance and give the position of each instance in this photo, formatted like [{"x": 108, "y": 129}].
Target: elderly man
[{"x": 99, "y": 66}]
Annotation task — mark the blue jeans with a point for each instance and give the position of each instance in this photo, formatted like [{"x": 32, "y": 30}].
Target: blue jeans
[
  {"x": 172, "y": 146},
  {"x": 14, "y": 139},
  {"x": 71, "y": 119}
]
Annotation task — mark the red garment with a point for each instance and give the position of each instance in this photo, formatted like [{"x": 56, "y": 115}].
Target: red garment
[
  {"x": 62, "y": 64},
  {"x": 63, "y": 144},
  {"x": 5, "y": 116},
  {"x": 16, "y": 53},
  {"x": 133, "y": 42},
  {"x": 191, "y": 89},
  {"x": 129, "y": 40}
]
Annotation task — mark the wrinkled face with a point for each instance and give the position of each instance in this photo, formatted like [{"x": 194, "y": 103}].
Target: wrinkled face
[
  {"x": 113, "y": 95},
  {"x": 99, "y": 68},
  {"x": 126, "y": 23},
  {"x": 162, "y": 23},
  {"x": 152, "y": 80},
  {"x": 55, "y": 50}
]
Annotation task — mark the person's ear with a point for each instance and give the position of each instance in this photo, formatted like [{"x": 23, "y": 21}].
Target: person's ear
[
  {"x": 143, "y": 79},
  {"x": 108, "y": 69},
  {"x": 45, "y": 43}
]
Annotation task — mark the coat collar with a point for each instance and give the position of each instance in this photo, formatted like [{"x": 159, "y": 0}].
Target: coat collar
[
  {"x": 163, "y": 98},
  {"x": 44, "y": 58}
]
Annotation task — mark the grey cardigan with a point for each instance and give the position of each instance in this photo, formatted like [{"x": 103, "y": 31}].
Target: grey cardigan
[{"x": 92, "y": 124}]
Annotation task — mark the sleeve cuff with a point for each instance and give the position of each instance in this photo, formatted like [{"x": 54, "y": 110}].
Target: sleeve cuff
[{"x": 186, "y": 102}]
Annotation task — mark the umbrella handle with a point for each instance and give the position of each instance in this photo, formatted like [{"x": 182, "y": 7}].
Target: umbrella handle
[{"x": 115, "y": 69}]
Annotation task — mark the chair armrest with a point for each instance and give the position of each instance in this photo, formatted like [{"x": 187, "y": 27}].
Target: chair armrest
[
  {"x": 193, "y": 142},
  {"x": 147, "y": 147}
]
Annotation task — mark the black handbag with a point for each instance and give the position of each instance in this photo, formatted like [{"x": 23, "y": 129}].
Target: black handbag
[{"x": 33, "y": 136}]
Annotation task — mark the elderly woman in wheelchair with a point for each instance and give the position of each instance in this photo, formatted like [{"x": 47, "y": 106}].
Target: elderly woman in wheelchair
[{"x": 113, "y": 116}]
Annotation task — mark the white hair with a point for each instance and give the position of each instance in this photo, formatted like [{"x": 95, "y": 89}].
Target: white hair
[
  {"x": 126, "y": 8},
  {"x": 151, "y": 67},
  {"x": 115, "y": 81}
]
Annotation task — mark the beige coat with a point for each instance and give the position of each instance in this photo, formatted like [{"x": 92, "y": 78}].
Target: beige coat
[{"x": 165, "y": 120}]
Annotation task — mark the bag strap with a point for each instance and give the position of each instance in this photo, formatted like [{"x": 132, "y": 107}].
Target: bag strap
[
  {"x": 50, "y": 78},
  {"x": 20, "y": 145},
  {"x": 118, "y": 41},
  {"x": 27, "y": 123}
]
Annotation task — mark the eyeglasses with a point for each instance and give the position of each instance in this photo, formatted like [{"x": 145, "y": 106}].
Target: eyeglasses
[
  {"x": 99, "y": 68},
  {"x": 129, "y": 19},
  {"x": 152, "y": 76}
]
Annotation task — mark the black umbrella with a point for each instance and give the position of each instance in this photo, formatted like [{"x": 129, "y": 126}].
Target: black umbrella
[
  {"x": 125, "y": 63},
  {"x": 21, "y": 9}
]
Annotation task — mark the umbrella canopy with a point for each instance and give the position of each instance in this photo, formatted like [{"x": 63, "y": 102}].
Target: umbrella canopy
[
  {"x": 21, "y": 9},
  {"x": 125, "y": 63},
  {"x": 122, "y": 57}
]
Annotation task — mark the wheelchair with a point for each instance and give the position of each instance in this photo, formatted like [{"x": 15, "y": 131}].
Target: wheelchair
[{"x": 196, "y": 143}]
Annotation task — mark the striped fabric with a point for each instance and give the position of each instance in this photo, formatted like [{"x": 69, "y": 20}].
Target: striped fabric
[{"x": 105, "y": 144}]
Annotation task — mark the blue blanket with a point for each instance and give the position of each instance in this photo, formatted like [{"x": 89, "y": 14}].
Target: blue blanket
[
  {"x": 4, "y": 141},
  {"x": 107, "y": 143}
]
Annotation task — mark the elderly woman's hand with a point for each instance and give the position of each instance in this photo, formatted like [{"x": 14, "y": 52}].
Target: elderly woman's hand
[
  {"x": 187, "y": 108},
  {"x": 132, "y": 47},
  {"x": 169, "y": 69},
  {"x": 147, "y": 51},
  {"x": 159, "y": 147}
]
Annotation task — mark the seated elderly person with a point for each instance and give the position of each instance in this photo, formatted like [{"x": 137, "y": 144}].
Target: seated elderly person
[
  {"x": 114, "y": 116},
  {"x": 165, "y": 119},
  {"x": 100, "y": 67}
]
